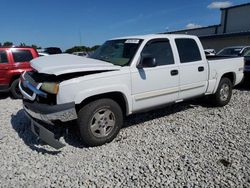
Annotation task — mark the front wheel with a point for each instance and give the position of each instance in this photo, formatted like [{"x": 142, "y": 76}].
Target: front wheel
[
  {"x": 223, "y": 93},
  {"x": 14, "y": 89},
  {"x": 99, "y": 122}
]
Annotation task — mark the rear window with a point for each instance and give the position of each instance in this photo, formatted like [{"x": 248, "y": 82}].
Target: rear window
[
  {"x": 188, "y": 50},
  {"x": 22, "y": 55},
  {"x": 3, "y": 57}
]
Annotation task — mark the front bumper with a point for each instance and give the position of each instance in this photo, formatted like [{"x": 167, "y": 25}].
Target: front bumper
[
  {"x": 45, "y": 134},
  {"x": 51, "y": 113},
  {"x": 43, "y": 118}
]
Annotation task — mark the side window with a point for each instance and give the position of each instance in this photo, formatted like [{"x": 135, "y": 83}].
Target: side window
[
  {"x": 161, "y": 51},
  {"x": 247, "y": 52},
  {"x": 188, "y": 50},
  {"x": 22, "y": 55},
  {"x": 3, "y": 57}
]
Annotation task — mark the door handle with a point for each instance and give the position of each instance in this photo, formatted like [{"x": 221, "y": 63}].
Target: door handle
[
  {"x": 174, "y": 72},
  {"x": 200, "y": 69}
]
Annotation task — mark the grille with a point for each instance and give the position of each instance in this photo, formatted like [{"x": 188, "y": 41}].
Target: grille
[
  {"x": 30, "y": 79},
  {"x": 26, "y": 90}
]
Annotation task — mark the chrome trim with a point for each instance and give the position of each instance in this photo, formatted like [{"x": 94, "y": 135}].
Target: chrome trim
[
  {"x": 157, "y": 93},
  {"x": 34, "y": 89},
  {"x": 64, "y": 116},
  {"x": 192, "y": 86}
]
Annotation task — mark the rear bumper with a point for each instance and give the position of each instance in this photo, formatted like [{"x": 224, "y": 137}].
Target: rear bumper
[
  {"x": 43, "y": 118},
  {"x": 4, "y": 88}
]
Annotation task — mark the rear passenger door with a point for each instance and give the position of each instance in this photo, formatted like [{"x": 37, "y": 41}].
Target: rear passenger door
[
  {"x": 4, "y": 66},
  {"x": 193, "y": 68}
]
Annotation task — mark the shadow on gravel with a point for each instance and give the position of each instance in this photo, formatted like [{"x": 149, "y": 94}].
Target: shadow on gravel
[
  {"x": 161, "y": 112},
  {"x": 245, "y": 85},
  {"x": 21, "y": 124},
  {"x": 4, "y": 96}
]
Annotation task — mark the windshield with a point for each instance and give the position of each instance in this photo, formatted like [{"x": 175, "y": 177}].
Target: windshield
[
  {"x": 118, "y": 52},
  {"x": 229, "y": 52}
]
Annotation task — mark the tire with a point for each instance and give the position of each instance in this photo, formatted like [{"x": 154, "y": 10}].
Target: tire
[
  {"x": 224, "y": 93},
  {"x": 99, "y": 122},
  {"x": 14, "y": 89}
]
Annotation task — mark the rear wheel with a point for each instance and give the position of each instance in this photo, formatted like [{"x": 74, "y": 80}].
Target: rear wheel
[
  {"x": 14, "y": 89},
  {"x": 223, "y": 93},
  {"x": 100, "y": 121}
]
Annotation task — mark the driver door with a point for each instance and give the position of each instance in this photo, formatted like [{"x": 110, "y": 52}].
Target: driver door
[{"x": 154, "y": 86}]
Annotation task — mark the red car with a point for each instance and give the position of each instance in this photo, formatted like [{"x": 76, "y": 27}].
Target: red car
[{"x": 13, "y": 62}]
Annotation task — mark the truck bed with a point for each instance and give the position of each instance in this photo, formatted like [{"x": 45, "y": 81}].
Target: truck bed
[{"x": 219, "y": 66}]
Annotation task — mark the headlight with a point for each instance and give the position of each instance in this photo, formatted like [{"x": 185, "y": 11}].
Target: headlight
[{"x": 50, "y": 87}]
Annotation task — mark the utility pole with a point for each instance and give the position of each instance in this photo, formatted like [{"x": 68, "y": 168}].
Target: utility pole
[{"x": 80, "y": 38}]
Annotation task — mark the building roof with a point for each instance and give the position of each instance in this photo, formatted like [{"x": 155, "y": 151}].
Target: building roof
[
  {"x": 193, "y": 29},
  {"x": 243, "y": 33},
  {"x": 236, "y": 6},
  {"x": 219, "y": 27}
]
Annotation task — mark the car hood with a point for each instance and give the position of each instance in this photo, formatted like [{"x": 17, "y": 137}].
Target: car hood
[{"x": 66, "y": 63}]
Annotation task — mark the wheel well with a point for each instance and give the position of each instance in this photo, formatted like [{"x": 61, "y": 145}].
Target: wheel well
[
  {"x": 230, "y": 76},
  {"x": 116, "y": 96},
  {"x": 14, "y": 78}
]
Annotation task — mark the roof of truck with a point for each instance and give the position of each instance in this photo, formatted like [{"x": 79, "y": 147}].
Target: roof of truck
[{"x": 153, "y": 36}]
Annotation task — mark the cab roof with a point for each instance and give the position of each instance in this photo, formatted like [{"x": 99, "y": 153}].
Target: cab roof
[{"x": 155, "y": 36}]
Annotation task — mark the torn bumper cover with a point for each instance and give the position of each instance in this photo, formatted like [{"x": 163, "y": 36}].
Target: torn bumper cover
[{"x": 43, "y": 116}]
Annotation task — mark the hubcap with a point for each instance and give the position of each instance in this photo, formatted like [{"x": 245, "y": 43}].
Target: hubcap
[
  {"x": 224, "y": 92},
  {"x": 102, "y": 123}
]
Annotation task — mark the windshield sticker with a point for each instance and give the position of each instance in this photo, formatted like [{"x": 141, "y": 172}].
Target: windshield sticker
[{"x": 132, "y": 41}]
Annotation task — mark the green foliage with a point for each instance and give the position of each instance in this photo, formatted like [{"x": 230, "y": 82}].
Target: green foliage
[
  {"x": 70, "y": 50},
  {"x": 22, "y": 44},
  {"x": 7, "y": 43},
  {"x": 81, "y": 49},
  {"x": 36, "y": 47}
]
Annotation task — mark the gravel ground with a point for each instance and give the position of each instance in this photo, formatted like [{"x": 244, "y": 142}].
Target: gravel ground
[{"x": 185, "y": 145}]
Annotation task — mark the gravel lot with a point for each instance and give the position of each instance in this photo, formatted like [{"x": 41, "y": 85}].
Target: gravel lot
[{"x": 185, "y": 145}]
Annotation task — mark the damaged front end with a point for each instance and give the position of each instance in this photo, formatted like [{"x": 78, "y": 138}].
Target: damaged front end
[{"x": 40, "y": 106}]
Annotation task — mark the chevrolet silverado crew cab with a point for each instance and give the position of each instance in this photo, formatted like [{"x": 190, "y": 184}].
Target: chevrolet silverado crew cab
[
  {"x": 124, "y": 76},
  {"x": 13, "y": 62}
]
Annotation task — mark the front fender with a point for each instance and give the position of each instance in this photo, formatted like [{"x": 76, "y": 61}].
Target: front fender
[{"x": 82, "y": 95}]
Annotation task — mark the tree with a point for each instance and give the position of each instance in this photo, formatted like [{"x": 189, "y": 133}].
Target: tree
[
  {"x": 7, "y": 43},
  {"x": 22, "y": 44},
  {"x": 93, "y": 48},
  {"x": 81, "y": 49},
  {"x": 36, "y": 47},
  {"x": 77, "y": 49}
]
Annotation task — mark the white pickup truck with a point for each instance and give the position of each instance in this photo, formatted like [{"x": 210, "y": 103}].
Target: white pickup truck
[{"x": 124, "y": 76}]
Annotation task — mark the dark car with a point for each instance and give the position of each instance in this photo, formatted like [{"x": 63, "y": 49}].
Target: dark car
[{"x": 51, "y": 50}]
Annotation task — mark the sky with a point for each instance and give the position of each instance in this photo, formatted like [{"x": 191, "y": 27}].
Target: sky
[{"x": 67, "y": 23}]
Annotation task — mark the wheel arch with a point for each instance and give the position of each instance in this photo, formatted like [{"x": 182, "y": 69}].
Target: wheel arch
[
  {"x": 230, "y": 75},
  {"x": 118, "y": 97},
  {"x": 13, "y": 78}
]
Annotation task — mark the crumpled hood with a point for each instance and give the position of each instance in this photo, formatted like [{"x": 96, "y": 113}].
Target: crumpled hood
[{"x": 66, "y": 63}]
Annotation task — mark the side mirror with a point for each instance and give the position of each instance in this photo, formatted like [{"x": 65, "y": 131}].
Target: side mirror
[{"x": 147, "y": 61}]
